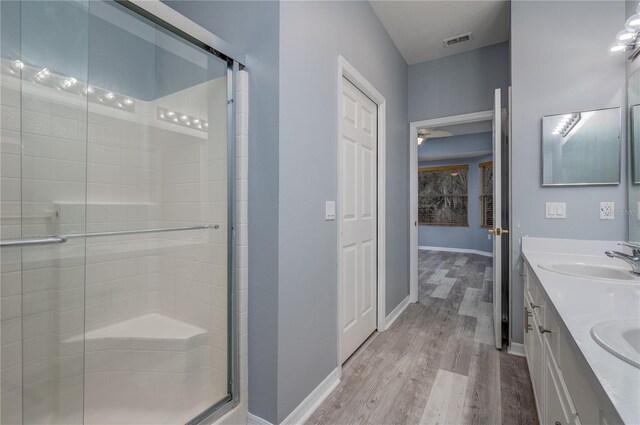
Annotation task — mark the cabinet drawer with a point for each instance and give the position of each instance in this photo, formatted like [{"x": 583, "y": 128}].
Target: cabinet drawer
[
  {"x": 555, "y": 336},
  {"x": 529, "y": 279},
  {"x": 535, "y": 303}
]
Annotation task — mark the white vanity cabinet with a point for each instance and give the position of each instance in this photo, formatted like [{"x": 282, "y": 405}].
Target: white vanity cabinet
[{"x": 564, "y": 396}]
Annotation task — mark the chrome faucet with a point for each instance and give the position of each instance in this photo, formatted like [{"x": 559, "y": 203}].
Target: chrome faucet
[{"x": 633, "y": 259}]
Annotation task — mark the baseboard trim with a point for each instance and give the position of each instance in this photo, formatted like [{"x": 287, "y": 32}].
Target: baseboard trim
[
  {"x": 396, "y": 312},
  {"x": 256, "y": 420},
  {"x": 516, "y": 349},
  {"x": 309, "y": 405},
  {"x": 468, "y": 251}
]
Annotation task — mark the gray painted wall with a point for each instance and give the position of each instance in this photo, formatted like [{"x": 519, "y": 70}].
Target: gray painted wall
[
  {"x": 466, "y": 237},
  {"x": 560, "y": 63},
  {"x": 254, "y": 28},
  {"x": 433, "y": 149},
  {"x": 458, "y": 84},
  {"x": 312, "y": 35},
  {"x": 293, "y": 288}
]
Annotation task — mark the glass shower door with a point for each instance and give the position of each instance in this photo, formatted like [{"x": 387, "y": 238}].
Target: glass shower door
[
  {"x": 44, "y": 60},
  {"x": 114, "y": 218},
  {"x": 156, "y": 336}
]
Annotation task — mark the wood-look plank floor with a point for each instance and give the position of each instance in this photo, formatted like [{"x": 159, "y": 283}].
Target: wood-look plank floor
[{"x": 437, "y": 363}]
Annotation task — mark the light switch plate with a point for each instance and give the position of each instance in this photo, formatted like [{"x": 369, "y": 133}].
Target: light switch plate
[
  {"x": 607, "y": 211},
  {"x": 556, "y": 210},
  {"x": 330, "y": 210},
  {"x": 551, "y": 209}
]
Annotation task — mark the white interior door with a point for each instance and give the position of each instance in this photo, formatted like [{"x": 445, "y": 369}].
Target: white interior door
[
  {"x": 358, "y": 218},
  {"x": 497, "y": 219}
]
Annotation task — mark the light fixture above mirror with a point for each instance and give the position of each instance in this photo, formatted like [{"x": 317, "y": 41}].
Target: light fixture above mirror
[{"x": 629, "y": 38}]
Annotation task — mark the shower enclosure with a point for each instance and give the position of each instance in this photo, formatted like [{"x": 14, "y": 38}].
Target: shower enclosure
[{"x": 116, "y": 217}]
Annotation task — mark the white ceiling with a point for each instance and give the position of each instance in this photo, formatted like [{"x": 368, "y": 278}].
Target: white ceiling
[{"x": 418, "y": 27}]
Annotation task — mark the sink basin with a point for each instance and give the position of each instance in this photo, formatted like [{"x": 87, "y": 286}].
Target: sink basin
[
  {"x": 590, "y": 271},
  {"x": 621, "y": 338}
]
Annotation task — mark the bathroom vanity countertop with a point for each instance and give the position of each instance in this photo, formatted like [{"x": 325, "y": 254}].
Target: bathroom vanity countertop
[{"x": 583, "y": 302}]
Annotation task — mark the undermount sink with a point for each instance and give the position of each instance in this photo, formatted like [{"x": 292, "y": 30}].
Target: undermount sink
[
  {"x": 621, "y": 338},
  {"x": 590, "y": 271}
]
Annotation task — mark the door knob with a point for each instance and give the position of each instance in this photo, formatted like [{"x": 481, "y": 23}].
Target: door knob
[{"x": 498, "y": 231}]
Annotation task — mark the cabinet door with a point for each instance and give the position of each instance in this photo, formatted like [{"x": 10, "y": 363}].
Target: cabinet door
[
  {"x": 528, "y": 330},
  {"x": 582, "y": 394},
  {"x": 554, "y": 412},
  {"x": 529, "y": 334},
  {"x": 537, "y": 365}
]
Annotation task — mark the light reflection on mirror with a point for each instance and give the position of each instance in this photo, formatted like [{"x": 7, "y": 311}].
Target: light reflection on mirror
[{"x": 581, "y": 148}]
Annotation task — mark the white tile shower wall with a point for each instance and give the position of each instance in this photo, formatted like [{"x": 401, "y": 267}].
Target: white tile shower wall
[
  {"x": 183, "y": 275},
  {"x": 242, "y": 223},
  {"x": 10, "y": 260},
  {"x": 42, "y": 156},
  {"x": 192, "y": 178}
]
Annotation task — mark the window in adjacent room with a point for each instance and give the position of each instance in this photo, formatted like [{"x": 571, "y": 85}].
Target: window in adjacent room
[
  {"x": 443, "y": 195},
  {"x": 486, "y": 193}
]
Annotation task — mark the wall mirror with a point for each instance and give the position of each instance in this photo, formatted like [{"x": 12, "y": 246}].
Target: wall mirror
[
  {"x": 581, "y": 148},
  {"x": 633, "y": 111},
  {"x": 634, "y": 142}
]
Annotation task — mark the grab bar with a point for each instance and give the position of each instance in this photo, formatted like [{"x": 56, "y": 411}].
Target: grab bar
[
  {"x": 62, "y": 239},
  {"x": 52, "y": 240}
]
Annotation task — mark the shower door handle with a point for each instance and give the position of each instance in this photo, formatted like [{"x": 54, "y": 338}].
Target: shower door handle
[{"x": 52, "y": 240}]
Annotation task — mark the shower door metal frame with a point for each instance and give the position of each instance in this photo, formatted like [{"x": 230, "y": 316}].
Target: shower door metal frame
[
  {"x": 169, "y": 19},
  {"x": 233, "y": 397}
]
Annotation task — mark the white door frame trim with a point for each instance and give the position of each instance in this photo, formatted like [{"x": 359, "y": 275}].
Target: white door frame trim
[
  {"x": 345, "y": 69},
  {"x": 413, "y": 185}
]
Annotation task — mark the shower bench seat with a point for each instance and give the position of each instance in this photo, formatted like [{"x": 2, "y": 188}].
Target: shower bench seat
[{"x": 148, "y": 362}]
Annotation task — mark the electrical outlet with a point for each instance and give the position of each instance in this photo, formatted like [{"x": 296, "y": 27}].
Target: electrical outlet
[{"x": 607, "y": 211}]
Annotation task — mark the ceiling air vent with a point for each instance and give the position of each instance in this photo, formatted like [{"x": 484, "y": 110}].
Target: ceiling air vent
[{"x": 462, "y": 38}]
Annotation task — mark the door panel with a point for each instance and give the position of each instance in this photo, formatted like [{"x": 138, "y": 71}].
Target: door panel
[
  {"x": 368, "y": 266},
  {"x": 497, "y": 218},
  {"x": 349, "y": 301},
  {"x": 357, "y": 215},
  {"x": 349, "y": 183}
]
